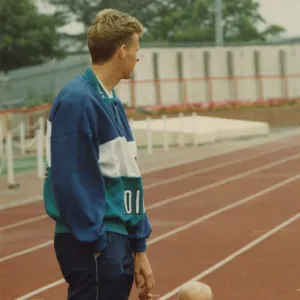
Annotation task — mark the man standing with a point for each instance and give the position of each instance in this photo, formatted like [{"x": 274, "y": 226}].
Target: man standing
[{"x": 93, "y": 187}]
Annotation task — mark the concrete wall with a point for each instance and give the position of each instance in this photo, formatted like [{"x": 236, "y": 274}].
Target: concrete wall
[{"x": 183, "y": 74}]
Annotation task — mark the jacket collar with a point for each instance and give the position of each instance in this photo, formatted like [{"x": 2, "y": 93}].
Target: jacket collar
[{"x": 92, "y": 78}]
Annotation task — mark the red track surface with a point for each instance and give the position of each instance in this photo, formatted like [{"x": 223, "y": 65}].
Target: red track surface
[{"x": 233, "y": 199}]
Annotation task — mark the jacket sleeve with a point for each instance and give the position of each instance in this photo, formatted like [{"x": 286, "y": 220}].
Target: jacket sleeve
[
  {"x": 139, "y": 233},
  {"x": 78, "y": 185}
]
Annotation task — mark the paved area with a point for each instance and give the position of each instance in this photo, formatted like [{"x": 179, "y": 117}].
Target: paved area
[
  {"x": 22, "y": 164},
  {"x": 30, "y": 187},
  {"x": 161, "y": 159}
]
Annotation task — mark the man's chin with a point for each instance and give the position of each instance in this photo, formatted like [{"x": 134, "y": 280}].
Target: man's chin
[{"x": 128, "y": 76}]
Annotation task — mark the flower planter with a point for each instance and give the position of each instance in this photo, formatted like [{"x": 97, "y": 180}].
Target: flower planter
[{"x": 275, "y": 112}]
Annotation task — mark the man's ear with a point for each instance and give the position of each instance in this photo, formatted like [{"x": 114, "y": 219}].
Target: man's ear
[{"x": 122, "y": 52}]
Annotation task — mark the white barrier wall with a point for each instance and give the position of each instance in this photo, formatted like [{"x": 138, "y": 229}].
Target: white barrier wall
[
  {"x": 123, "y": 91},
  {"x": 144, "y": 73},
  {"x": 244, "y": 68},
  {"x": 269, "y": 69},
  {"x": 236, "y": 73},
  {"x": 218, "y": 69},
  {"x": 167, "y": 71},
  {"x": 193, "y": 69},
  {"x": 293, "y": 69},
  {"x": 176, "y": 75}
]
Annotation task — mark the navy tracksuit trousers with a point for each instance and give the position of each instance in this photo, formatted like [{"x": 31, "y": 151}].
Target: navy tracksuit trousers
[{"x": 110, "y": 276}]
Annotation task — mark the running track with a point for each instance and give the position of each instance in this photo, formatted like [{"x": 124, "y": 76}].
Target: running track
[{"x": 232, "y": 221}]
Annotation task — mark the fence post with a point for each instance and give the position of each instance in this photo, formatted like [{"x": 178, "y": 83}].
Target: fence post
[
  {"x": 149, "y": 136},
  {"x": 22, "y": 138},
  {"x": 132, "y": 127},
  {"x": 10, "y": 162},
  {"x": 181, "y": 133},
  {"x": 165, "y": 134},
  {"x": 41, "y": 124},
  {"x": 1, "y": 140},
  {"x": 194, "y": 125},
  {"x": 3, "y": 80},
  {"x": 39, "y": 152}
]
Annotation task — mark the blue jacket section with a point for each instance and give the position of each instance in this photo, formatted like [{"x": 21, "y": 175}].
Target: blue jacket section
[{"x": 81, "y": 120}]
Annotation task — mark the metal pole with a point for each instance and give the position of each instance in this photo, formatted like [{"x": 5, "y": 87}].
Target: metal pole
[
  {"x": 218, "y": 25},
  {"x": 3, "y": 80}
]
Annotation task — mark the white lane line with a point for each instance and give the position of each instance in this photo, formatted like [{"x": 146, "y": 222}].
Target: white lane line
[
  {"x": 170, "y": 180},
  {"x": 176, "y": 198},
  {"x": 26, "y": 251},
  {"x": 185, "y": 227},
  {"x": 235, "y": 254},
  {"x": 42, "y": 289},
  {"x": 221, "y": 182},
  {"x": 271, "y": 142},
  {"x": 21, "y": 202},
  {"x": 24, "y": 222},
  {"x": 217, "y": 166},
  {"x": 224, "y": 208}
]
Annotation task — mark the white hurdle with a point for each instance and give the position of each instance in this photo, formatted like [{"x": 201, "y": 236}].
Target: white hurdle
[
  {"x": 131, "y": 127},
  {"x": 194, "y": 116},
  {"x": 149, "y": 136},
  {"x": 22, "y": 138},
  {"x": 165, "y": 133},
  {"x": 40, "y": 148},
  {"x": 7, "y": 156},
  {"x": 181, "y": 134},
  {"x": 37, "y": 143},
  {"x": 10, "y": 162},
  {"x": 21, "y": 142}
]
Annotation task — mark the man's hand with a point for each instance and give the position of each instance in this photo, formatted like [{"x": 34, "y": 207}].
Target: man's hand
[
  {"x": 142, "y": 296},
  {"x": 143, "y": 274}
]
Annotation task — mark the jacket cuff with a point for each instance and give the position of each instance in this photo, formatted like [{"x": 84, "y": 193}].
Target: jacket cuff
[
  {"x": 138, "y": 245},
  {"x": 100, "y": 244}
]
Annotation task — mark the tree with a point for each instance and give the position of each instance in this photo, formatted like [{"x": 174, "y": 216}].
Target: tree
[
  {"x": 179, "y": 20},
  {"x": 27, "y": 37},
  {"x": 242, "y": 22},
  {"x": 188, "y": 21},
  {"x": 195, "y": 21},
  {"x": 84, "y": 11}
]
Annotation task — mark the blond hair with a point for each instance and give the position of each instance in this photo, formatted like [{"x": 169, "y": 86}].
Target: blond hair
[
  {"x": 109, "y": 31},
  {"x": 195, "y": 290}
]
